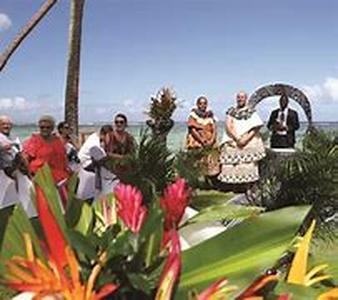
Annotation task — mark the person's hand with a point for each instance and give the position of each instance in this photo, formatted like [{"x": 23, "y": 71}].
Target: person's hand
[
  {"x": 240, "y": 142},
  {"x": 6, "y": 147}
]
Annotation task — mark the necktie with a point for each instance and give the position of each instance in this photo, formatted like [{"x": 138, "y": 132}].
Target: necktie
[{"x": 282, "y": 116}]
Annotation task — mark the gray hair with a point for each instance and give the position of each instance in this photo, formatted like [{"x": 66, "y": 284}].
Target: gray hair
[
  {"x": 6, "y": 118},
  {"x": 47, "y": 118}
]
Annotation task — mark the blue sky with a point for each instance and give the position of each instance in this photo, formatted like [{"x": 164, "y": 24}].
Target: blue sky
[{"x": 132, "y": 48}]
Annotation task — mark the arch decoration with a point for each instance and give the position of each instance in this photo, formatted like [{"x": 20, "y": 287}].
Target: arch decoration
[{"x": 279, "y": 89}]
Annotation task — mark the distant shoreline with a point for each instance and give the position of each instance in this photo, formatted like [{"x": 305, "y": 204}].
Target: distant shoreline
[{"x": 138, "y": 123}]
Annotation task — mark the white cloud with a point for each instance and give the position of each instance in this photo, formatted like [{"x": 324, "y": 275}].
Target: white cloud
[
  {"x": 5, "y": 22},
  {"x": 325, "y": 92},
  {"x": 15, "y": 104}
]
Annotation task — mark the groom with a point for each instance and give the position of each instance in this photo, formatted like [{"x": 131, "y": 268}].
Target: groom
[{"x": 283, "y": 123}]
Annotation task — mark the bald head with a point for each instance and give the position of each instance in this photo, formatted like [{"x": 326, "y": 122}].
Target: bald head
[
  {"x": 241, "y": 98},
  {"x": 5, "y": 125}
]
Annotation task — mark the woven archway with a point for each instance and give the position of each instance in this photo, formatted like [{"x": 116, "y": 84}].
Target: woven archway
[{"x": 279, "y": 89}]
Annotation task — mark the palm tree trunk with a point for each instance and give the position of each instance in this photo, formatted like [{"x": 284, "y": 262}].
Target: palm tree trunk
[
  {"x": 73, "y": 71},
  {"x": 44, "y": 9}
]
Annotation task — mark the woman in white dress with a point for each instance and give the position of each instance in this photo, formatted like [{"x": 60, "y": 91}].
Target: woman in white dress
[{"x": 242, "y": 146}]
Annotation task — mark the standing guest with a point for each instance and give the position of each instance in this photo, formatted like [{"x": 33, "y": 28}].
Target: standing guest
[
  {"x": 65, "y": 133},
  {"x": 202, "y": 134},
  {"x": 45, "y": 147},
  {"x": 95, "y": 178},
  {"x": 7, "y": 149},
  {"x": 242, "y": 146},
  {"x": 201, "y": 126},
  {"x": 14, "y": 184},
  {"x": 97, "y": 140},
  {"x": 283, "y": 123},
  {"x": 69, "y": 141},
  {"x": 122, "y": 142}
]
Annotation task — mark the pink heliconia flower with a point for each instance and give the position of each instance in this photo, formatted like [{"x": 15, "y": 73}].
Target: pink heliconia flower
[
  {"x": 174, "y": 202},
  {"x": 129, "y": 206},
  {"x": 171, "y": 269}
]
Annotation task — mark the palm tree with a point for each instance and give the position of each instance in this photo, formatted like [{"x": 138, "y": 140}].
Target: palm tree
[
  {"x": 37, "y": 17},
  {"x": 73, "y": 70}
]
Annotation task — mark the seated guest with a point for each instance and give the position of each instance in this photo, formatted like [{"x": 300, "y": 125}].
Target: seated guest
[
  {"x": 45, "y": 147},
  {"x": 283, "y": 123}
]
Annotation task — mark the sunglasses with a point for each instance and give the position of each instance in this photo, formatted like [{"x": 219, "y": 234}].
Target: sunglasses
[
  {"x": 45, "y": 127},
  {"x": 119, "y": 122}
]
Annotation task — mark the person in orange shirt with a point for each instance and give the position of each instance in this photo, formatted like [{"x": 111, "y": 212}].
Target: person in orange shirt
[{"x": 45, "y": 147}]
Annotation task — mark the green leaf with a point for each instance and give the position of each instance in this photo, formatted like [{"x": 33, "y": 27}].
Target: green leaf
[
  {"x": 205, "y": 198},
  {"x": 298, "y": 292},
  {"x": 151, "y": 235},
  {"x": 327, "y": 255},
  {"x": 122, "y": 245},
  {"x": 82, "y": 244},
  {"x": 224, "y": 211},
  {"x": 86, "y": 219},
  {"x": 140, "y": 282},
  {"x": 13, "y": 241},
  {"x": 241, "y": 253}
]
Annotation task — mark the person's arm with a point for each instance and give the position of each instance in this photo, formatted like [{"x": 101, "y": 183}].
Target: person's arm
[
  {"x": 5, "y": 147},
  {"x": 214, "y": 134},
  {"x": 295, "y": 121},
  {"x": 247, "y": 137},
  {"x": 272, "y": 122},
  {"x": 229, "y": 128},
  {"x": 193, "y": 129}
]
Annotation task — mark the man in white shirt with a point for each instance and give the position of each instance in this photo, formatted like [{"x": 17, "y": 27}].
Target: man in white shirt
[
  {"x": 14, "y": 185},
  {"x": 94, "y": 179},
  {"x": 7, "y": 145}
]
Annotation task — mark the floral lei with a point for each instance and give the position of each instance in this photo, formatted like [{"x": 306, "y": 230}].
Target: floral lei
[
  {"x": 241, "y": 113},
  {"x": 201, "y": 114}
]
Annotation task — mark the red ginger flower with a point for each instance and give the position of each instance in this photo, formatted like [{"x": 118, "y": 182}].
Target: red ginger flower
[
  {"x": 54, "y": 236},
  {"x": 174, "y": 202},
  {"x": 218, "y": 290},
  {"x": 129, "y": 206},
  {"x": 172, "y": 268}
]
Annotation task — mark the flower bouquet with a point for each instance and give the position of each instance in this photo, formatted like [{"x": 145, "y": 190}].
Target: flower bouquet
[{"x": 124, "y": 246}]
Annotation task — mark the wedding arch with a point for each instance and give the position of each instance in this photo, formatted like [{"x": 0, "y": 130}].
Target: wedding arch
[{"x": 279, "y": 89}]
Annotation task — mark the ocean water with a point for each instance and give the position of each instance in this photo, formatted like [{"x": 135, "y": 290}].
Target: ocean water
[{"x": 176, "y": 137}]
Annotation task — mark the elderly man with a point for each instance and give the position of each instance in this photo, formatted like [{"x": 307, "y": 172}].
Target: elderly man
[
  {"x": 7, "y": 145},
  {"x": 14, "y": 185}
]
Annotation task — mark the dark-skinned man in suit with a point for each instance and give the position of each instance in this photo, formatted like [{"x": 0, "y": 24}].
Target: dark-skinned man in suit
[{"x": 283, "y": 123}]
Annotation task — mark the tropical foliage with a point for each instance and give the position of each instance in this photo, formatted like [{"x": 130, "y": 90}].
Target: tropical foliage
[
  {"x": 310, "y": 176},
  {"x": 128, "y": 244}
]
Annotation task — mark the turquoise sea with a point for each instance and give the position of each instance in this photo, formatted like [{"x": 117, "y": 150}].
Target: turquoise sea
[{"x": 176, "y": 136}]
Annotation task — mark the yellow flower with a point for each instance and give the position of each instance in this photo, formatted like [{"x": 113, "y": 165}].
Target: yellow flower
[
  {"x": 329, "y": 295},
  {"x": 31, "y": 274},
  {"x": 298, "y": 272}
]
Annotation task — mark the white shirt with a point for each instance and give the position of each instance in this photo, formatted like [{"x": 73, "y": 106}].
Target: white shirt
[{"x": 281, "y": 121}]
